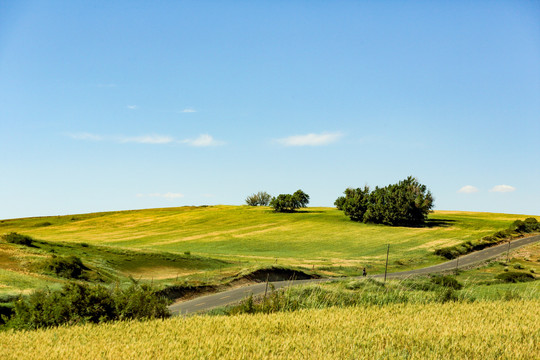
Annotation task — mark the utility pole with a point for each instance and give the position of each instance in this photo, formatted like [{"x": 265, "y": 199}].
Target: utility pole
[
  {"x": 457, "y": 265},
  {"x": 508, "y": 251},
  {"x": 386, "y": 266}
]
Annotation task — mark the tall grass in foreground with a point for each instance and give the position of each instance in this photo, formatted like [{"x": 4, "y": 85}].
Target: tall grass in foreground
[
  {"x": 452, "y": 330},
  {"x": 368, "y": 292}
]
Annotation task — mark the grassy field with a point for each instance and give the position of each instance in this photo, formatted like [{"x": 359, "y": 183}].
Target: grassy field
[
  {"x": 255, "y": 233},
  {"x": 492, "y": 330},
  {"x": 225, "y": 240}
]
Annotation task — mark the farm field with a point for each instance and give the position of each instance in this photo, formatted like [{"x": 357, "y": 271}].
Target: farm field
[
  {"x": 213, "y": 244},
  {"x": 313, "y": 236},
  {"x": 497, "y": 329}
]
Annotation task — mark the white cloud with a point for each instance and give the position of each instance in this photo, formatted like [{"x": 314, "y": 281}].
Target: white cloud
[
  {"x": 147, "y": 139},
  {"x": 310, "y": 139},
  {"x": 468, "y": 189},
  {"x": 132, "y": 107},
  {"x": 86, "y": 136},
  {"x": 169, "y": 195},
  {"x": 202, "y": 140},
  {"x": 189, "y": 110},
  {"x": 502, "y": 188}
]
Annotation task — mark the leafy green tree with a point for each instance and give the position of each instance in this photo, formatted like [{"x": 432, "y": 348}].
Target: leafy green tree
[
  {"x": 290, "y": 203},
  {"x": 355, "y": 203},
  {"x": 406, "y": 203}
]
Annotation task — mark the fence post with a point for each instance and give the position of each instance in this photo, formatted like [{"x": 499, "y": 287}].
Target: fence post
[{"x": 386, "y": 266}]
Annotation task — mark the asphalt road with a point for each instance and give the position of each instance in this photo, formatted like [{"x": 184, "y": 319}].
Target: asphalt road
[{"x": 208, "y": 302}]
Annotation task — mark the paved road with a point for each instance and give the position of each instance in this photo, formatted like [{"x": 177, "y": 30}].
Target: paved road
[{"x": 208, "y": 302}]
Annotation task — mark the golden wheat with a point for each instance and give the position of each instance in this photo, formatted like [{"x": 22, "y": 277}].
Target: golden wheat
[{"x": 483, "y": 330}]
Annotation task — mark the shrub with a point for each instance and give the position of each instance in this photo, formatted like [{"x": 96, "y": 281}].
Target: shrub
[
  {"x": 6, "y": 311},
  {"x": 19, "y": 239},
  {"x": 288, "y": 202},
  {"x": 69, "y": 267},
  {"x": 262, "y": 198},
  {"x": 79, "y": 303},
  {"x": 447, "y": 295},
  {"x": 447, "y": 281},
  {"x": 515, "y": 277}
]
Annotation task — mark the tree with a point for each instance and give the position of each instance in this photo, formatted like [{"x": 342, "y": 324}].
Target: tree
[
  {"x": 355, "y": 203},
  {"x": 262, "y": 198},
  {"x": 288, "y": 202},
  {"x": 406, "y": 203}
]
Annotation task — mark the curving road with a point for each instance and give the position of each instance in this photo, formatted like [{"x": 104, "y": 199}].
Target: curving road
[{"x": 208, "y": 302}]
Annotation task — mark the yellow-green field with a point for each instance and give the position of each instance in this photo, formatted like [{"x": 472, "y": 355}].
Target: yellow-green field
[
  {"x": 480, "y": 330},
  {"x": 223, "y": 241},
  {"x": 259, "y": 234}
]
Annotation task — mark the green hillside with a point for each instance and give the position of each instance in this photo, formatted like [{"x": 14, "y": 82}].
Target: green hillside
[{"x": 205, "y": 244}]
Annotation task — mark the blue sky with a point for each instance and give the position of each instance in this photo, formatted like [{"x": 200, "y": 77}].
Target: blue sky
[{"x": 112, "y": 105}]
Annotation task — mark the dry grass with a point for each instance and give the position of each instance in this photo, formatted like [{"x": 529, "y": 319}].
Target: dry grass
[{"x": 492, "y": 330}]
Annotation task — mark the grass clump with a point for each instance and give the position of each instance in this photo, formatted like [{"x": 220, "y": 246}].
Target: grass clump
[
  {"x": 79, "y": 303},
  {"x": 69, "y": 267},
  {"x": 447, "y": 282},
  {"x": 19, "y": 239},
  {"x": 515, "y": 277},
  {"x": 352, "y": 293}
]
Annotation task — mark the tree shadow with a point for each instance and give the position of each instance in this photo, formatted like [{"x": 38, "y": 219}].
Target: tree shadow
[{"x": 431, "y": 223}]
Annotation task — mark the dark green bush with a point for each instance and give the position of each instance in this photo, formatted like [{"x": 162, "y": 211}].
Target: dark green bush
[
  {"x": 447, "y": 295},
  {"x": 6, "y": 311},
  {"x": 290, "y": 203},
  {"x": 447, "y": 281},
  {"x": 515, "y": 277},
  {"x": 80, "y": 303},
  {"x": 69, "y": 267},
  {"x": 19, "y": 239}
]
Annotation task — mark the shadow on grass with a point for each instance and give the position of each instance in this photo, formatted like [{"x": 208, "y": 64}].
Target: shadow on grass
[{"x": 431, "y": 223}]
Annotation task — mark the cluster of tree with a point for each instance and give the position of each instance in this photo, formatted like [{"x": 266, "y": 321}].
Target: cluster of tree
[
  {"x": 288, "y": 202},
  {"x": 406, "y": 203},
  {"x": 79, "y": 303},
  {"x": 262, "y": 198}
]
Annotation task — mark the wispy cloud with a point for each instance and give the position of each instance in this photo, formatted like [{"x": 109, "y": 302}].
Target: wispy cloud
[
  {"x": 502, "y": 188},
  {"x": 86, "y": 136},
  {"x": 169, "y": 195},
  {"x": 132, "y": 107},
  {"x": 202, "y": 141},
  {"x": 147, "y": 139},
  {"x": 310, "y": 139},
  {"x": 468, "y": 189},
  {"x": 189, "y": 110}
]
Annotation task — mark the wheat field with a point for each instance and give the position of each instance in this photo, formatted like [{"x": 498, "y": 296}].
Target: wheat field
[{"x": 480, "y": 330}]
